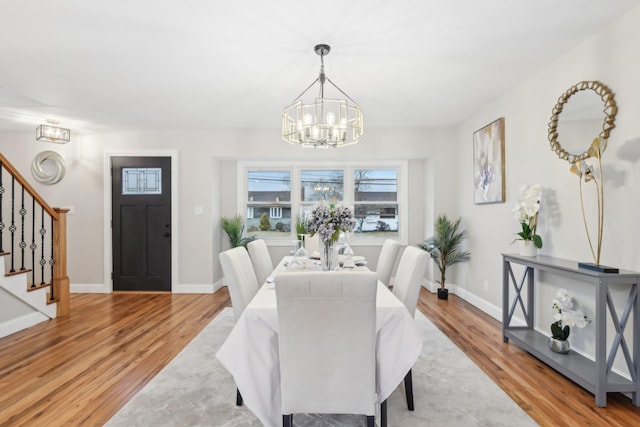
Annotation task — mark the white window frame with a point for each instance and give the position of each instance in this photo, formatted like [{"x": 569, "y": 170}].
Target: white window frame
[
  {"x": 348, "y": 166},
  {"x": 275, "y": 212}
]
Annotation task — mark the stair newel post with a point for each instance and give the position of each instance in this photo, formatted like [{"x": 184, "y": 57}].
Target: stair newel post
[{"x": 60, "y": 280}]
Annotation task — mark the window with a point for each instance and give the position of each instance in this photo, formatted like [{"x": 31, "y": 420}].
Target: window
[
  {"x": 319, "y": 185},
  {"x": 141, "y": 181},
  {"x": 275, "y": 193},
  {"x": 275, "y": 213},
  {"x": 268, "y": 201},
  {"x": 375, "y": 194}
]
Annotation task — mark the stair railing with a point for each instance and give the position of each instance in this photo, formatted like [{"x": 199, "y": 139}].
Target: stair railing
[{"x": 37, "y": 221}]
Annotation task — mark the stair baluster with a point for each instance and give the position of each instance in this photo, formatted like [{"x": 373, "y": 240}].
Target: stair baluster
[
  {"x": 33, "y": 245},
  {"x": 43, "y": 231},
  {"x": 12, "y": 227},
  {"x": 23, "y": 244}
]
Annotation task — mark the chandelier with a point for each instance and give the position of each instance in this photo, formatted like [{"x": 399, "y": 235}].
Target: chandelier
[
  {"x": 324, "y": 122},
  {"x": 53, "y": 133}
]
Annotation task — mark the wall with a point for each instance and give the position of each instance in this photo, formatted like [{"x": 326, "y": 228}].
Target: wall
[
  {"x": 207, "y": 162},
  {"x": 611, "y": 58}
]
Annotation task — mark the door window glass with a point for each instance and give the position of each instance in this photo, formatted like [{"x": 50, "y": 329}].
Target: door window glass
[{"x": 141, "y": 181}]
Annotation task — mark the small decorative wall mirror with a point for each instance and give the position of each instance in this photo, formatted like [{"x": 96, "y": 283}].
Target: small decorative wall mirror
[{"x": 588, "y": 111}]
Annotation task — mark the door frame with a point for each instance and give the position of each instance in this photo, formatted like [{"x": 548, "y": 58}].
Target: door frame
[{"x": 108, "y": 243}]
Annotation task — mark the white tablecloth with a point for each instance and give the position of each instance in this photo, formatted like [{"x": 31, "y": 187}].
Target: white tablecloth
[{"x": 250, "y": 352}]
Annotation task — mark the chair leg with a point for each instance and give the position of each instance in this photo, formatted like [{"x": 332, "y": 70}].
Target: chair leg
[
  {"x": 408, "y": 388},
  {"x": 238, "y": 398},
  {"x": 287, "y": 420},
  {"x": 383, "y": 414},
  {"x": 371, "y": 421}
]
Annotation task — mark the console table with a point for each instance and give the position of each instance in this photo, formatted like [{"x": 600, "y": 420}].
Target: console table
[{"x": 595, "y": 376}]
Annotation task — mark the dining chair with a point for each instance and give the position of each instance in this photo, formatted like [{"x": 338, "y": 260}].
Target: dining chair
[
  {"x": 240, "y": 278},
  {"x": 411, "y": 270},
  {"x": 261, "y": 260},
  {"x": 387, "y": 260},
  {"x": 326, "y": 367}
]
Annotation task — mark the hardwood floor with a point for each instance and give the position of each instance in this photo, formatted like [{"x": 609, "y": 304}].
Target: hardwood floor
[
  {"x": 82, "y": 369},
  {"x": 548, "y": 397}
]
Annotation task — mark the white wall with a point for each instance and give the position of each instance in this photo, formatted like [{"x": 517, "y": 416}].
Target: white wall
[
  {"x": 207, "y": 162},
  {"x": 611, "y": 58}
]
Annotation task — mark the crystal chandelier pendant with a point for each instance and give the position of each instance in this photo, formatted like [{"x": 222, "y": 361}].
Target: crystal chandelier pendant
[{"x": 324, "y": 122}]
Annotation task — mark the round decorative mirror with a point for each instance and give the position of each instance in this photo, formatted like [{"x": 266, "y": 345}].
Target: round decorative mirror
[{"x": 588, "y": 111}]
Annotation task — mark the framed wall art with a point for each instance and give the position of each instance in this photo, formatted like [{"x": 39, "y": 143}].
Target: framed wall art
[{"x": 488, "y": 163}]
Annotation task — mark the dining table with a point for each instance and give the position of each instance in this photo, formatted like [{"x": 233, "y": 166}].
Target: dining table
[{"x": 250, "y": 352}]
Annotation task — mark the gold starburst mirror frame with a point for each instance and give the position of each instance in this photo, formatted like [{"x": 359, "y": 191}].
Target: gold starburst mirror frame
[{"x": 604, "y": 107}]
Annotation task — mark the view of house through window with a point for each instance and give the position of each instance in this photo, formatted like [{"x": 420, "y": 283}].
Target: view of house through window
[
  {"x": 276, "y": 198},
  {"x": 269, "y": 203},
  {"x": 375, "y": 194}
]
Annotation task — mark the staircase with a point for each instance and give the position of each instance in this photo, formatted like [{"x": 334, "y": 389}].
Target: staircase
[{"x": 34, "y": 286}]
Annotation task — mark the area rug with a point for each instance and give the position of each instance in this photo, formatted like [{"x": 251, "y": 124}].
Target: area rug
[{"x": 195, "y": 390}]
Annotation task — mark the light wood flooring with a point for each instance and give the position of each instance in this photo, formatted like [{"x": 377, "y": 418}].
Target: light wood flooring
[{"x": 80, "y": 370}]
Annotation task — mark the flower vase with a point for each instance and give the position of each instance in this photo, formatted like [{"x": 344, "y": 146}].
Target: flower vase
[
  {"x": 559, "y": 346},
  {"x": 527, "y": 248},
  {"x": 329, "y": 255}
]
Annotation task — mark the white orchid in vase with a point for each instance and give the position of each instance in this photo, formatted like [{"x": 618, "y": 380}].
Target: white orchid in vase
[
  {"x": 526, "y": 212},
  {"x": 566, "y": 316}
]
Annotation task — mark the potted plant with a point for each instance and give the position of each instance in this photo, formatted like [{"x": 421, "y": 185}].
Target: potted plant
[
  {"x": 443, "y": 248},
  {"x": 234, "y": 227},
  {"x": 565, "y": 317},
  {"x": 526, "y": 212}
]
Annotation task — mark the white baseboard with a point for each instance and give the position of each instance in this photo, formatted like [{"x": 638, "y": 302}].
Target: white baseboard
[
  {"x": 207, "y": 288},
  {"x": 473, "y": 299},
  {"x": 23, "y": 322},
  {"x": 91, "y": 288},
  {"x": 218, "y": 284}
]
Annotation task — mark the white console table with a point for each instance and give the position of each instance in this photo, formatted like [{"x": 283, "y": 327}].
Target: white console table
[{"x": 595, "y": 376}]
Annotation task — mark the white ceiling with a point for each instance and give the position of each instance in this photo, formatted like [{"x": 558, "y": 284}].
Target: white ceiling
[{"x": 203, "y": 64}]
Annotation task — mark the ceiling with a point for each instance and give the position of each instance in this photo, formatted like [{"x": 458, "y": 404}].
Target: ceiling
[{"x": 208, "y": 64}]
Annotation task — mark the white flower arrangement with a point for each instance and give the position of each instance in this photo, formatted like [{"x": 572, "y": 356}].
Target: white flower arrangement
[
  {"x": 566, "y": 316},
  {"x": 526, "y": 212},
  {"x": 328, "y": 221}
]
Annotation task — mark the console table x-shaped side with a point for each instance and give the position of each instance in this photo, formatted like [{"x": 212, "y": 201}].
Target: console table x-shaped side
[{"x": 596, "y": 376}]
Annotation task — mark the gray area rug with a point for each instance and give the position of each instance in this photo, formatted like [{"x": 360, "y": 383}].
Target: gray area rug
[{"x": 195, "y": 390}]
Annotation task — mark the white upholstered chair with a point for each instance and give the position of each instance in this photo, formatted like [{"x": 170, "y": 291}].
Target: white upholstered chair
[
  {"x": 260, "y": 259},
  {"x": 411, "y": 270},
  {"x": 326, "y": 367},
  {"x": 241, "y": 281},
  {"x": 387, "y": 260}
]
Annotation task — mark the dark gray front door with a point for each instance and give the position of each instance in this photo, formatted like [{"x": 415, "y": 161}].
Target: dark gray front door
[{"x": 141, "y": 223}]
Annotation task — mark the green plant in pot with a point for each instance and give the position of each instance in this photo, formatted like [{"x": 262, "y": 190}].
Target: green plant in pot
[
  {"x": 234, "y": 227},
  {"x": 443, "y": 247}
]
